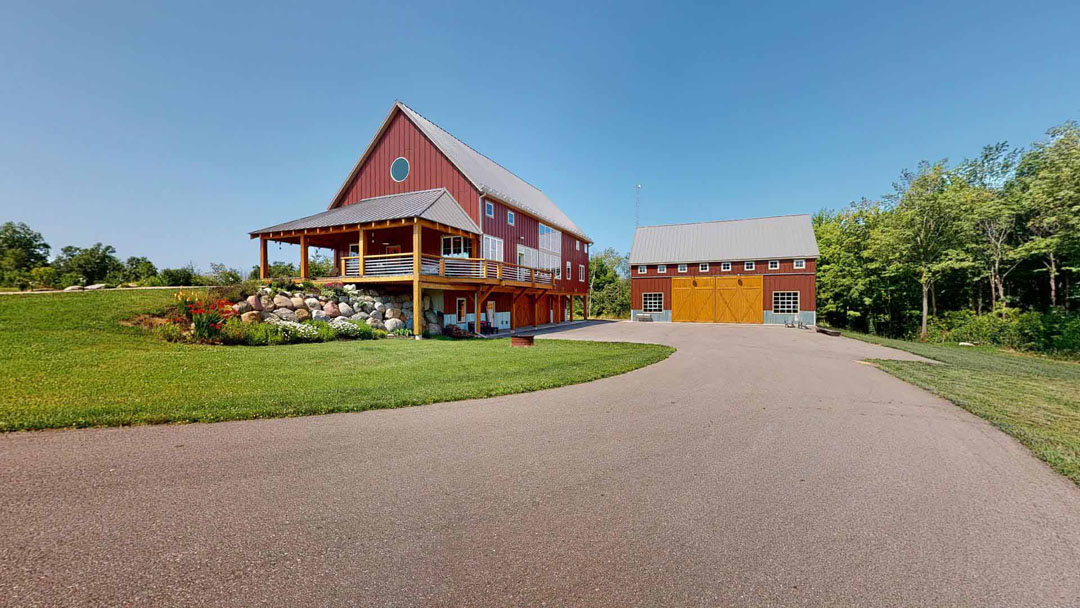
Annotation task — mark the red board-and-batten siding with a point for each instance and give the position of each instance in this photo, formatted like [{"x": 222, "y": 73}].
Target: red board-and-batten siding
[{"x": 429, "y": 168}]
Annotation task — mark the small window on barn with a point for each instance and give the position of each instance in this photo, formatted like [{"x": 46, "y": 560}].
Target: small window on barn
[
  {"x": 703, "y": 267},
  {"x": 581, "y": 272},
  {"x": 774, "y": 264},
  {"x": 399, "y": 169},
  {"x": 489, "y": 208},
  {"x": 682, "y": 267},
  {"x": 577, "y": 244},
  {"x": 510, "y": 218},
  {"x": 725, "y": 266},
  {"x": 558, "y": 272},
  {"x": 748, "y": 266},
  {"x": 800, "y": 264},
  {"x": 662, "y": 269},
  {"x": 569, "y": 272},
  {"x": 652, "y": 302},
  {"x": 642, "y": 269},
  {"x": 785, "y": 302}
]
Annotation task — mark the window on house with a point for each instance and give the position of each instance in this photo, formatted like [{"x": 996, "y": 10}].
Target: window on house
[
  {"x": 493, "y": 248},
  {"x": 558, "y": 272},
  {"x": 510, "y": 218},
  {"x": 774, "y": 264},
  {"x": 682, "y": 267},
  {"x": 725, "y": 266},
  {"x": 642, "y": 270},
  {"x": 581, "y": 272},
  {"x": 456, "y": 247},
  {"x": 652, "y": 302},
  {"x": 785, "y": 302},
  {"x": 489, "y": 208},
  {"x": 800, "y": 264},
  {"x": 460, "y": 310},
  {"x": 569, "y": 273},
  {"x": 703, "y": 267},
  {"x": 748, "y": 265},
  {"x": 662, "y": 269},
  {"x": 399, "y": 169},
  {"x": 577, "y": 244}
]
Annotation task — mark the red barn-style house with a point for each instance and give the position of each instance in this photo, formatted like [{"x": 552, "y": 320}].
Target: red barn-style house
[
  {"x": 424, "y": 214},
  {"x": 758, "y": 270}
]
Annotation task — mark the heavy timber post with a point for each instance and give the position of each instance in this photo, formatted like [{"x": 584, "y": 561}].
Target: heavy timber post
[
  {"x": 264, "y": 265},
  {"x": 303, "y": 256},
  {"x": 417, "y": 299}
]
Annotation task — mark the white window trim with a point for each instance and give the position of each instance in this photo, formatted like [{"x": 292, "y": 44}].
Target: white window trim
[
  {"x": 495, "y": 243},
  {"x": 725, "y": 266},
  {"x": 489, "y": 209},
  {"x": 774, "y": 264},
  {"x": 682, "y": 267},
  {"x": 558, "y": 272},
  {"x": 577, "y": 244},
  {"x": 408, "y": 169},
  {"x": 510, "y": 218},
  {"x": 799, "y": 264},
  {"x": 642, "y": 269},
  {"x": 581, "y": 272},
  {"x": 748, "y": 265},
  {"x": 569, "y": 270},
  {"x": 658, "y": 302},
  {"x": 796, "y": 302},
  {"x": 661, "y": 269},
  {"x": 461, "y": 240},
  {"x": 703, "y": 267}
]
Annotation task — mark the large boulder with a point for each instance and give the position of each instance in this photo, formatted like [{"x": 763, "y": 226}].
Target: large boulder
[
  {"x": 302, "y": 314},
  {"x": 434, "y": 329},
  {"x": 251, "y": 316},
  {"x": 95, "y": 287},
  {"x": 426, "y": 302},
  {"x": 255, "y": 303},
  {"x": 377, "y": 315},
  {"x": 286, "y": 314},
  {"x": 431, "y": 316},
  {"x": 266, "y": 315},
  {"x": 392, "y": 324},
  {"x": 73, "y": 288},
  {"x": 379, "y": 306},
  {"x": 267, "y": 303},
  {"x": 331, "y": 310},
  {"x": 360, "y": 316},
  {"x": 318, "y": 315},
  {"x": 312, "y": 304},
  {"x": 282, "y": 301},
  {"x": 242, "y": 306},
  {"x": 375, "y": 323},
  {"x": 297, "y": 302},
  {"x": 346, "y": 310}
]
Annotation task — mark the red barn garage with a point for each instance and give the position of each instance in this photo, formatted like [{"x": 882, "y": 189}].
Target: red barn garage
[{"x": 759, "y": 270}]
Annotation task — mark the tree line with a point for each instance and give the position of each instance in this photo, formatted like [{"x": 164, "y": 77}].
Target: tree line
[
  {"x": 994, "y": 234},
  {"x": 25, "y": 263}
]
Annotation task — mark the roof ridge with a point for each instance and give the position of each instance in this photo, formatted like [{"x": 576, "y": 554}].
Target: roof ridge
[
  {"x": 460, "y": 141},
  {"x": 742, "y": 219}
]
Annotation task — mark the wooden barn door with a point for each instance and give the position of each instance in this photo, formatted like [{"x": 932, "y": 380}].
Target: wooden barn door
[
  {"x": 693, "y": 299},
  {"x": 738, "y": 299}
]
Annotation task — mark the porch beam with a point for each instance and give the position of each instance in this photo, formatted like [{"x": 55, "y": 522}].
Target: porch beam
[{"x": 361, "y": 250}]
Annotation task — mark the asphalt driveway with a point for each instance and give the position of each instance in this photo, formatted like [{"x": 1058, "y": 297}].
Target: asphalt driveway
[{"x": 756, "y": 466}]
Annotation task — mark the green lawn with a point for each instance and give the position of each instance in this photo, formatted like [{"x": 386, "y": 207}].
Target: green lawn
[
  {"x": 68, "y": 363},
  {"x": 1034, "y": 399}
]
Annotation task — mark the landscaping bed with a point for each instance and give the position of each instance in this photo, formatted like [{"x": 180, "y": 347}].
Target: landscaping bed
[{"x": 69, "y": 362}]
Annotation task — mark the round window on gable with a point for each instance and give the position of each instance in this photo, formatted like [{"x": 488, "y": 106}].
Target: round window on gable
[{"x": 399, "y": 169}]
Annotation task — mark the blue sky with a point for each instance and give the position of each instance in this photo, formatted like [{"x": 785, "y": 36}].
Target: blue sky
[{"x": 171, "y": 130}]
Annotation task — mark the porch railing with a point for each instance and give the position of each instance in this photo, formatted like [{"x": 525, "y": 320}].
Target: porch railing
[{"x": 401, "y": 264}]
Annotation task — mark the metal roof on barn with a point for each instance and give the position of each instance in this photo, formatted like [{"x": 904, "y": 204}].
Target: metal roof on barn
[
  {"x": 436, "y": 205},
  {"x": 763, "y": 238}
]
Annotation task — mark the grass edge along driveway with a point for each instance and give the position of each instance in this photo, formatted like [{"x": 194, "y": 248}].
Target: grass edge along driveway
[
  {"x": 68, "y": 363},
  {"x": 1034, "y": 399}
]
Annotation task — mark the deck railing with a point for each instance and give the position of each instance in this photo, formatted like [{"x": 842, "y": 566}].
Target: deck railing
[{"x": 401, "y": 264}]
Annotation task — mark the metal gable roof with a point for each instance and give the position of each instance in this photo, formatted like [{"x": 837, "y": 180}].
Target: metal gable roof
[
  {"x": 786, "y": 236},
  {"x": 435, "y": 205},
  {"x": 492, "y": 178}
]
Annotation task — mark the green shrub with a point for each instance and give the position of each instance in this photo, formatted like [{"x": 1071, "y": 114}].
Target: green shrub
[
  {"x": 326, "y": 333},
  {"x": 178, "y": 277},
  {"x": 170, "y": 332},
  {"x": 1055, "y": 331},
  {"x": 235, "y": 293}
]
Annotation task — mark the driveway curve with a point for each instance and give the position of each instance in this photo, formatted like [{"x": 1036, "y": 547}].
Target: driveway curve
[{"x": 755, "y": 466}]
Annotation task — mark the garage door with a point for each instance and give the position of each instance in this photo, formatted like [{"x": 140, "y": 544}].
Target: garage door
[
  {"x": 738, "y": 299},
  {"x": 693, "y": 299},
  {"x": 716, "y": 299}
]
